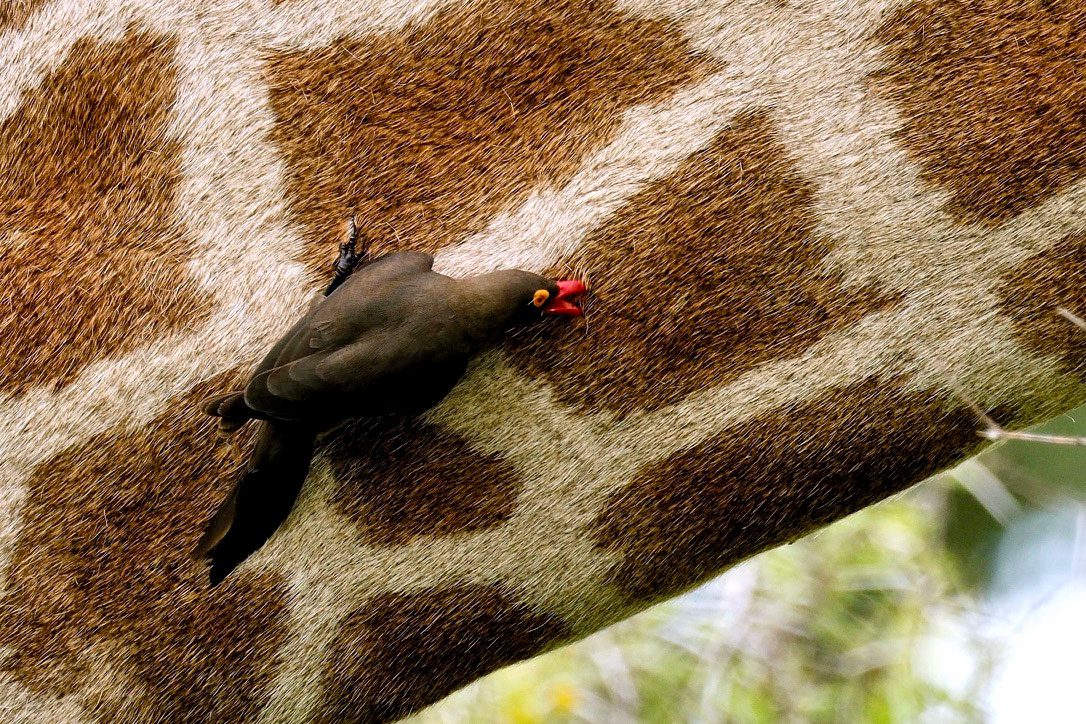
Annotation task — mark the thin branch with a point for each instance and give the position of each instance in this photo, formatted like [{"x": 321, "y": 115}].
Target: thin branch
[
  {"x": 994, "y": 431},
  {"x": 1071, "y": 317},
  {"x": 1001, "y": 434}
]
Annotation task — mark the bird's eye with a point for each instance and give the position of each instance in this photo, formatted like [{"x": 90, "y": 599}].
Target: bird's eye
[{"x": 540, "y": 297}]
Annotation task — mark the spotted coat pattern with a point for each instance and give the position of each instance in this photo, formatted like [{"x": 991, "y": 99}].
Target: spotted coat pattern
[{"x": 800, "y": 220}]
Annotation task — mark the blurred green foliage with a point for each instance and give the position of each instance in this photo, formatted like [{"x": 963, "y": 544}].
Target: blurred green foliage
[{"x": 899, "y": 613}]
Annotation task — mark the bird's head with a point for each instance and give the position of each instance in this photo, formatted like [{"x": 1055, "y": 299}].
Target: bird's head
[
  {"x": 539, "y": 296},
  {"x": 560, "y": 297},
  {"x": 518, "y": 297}
]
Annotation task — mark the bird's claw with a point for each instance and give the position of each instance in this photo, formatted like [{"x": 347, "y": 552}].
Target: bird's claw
[
  {"x": 348, "y": 257},
  {"x": 347, "y": 260}
]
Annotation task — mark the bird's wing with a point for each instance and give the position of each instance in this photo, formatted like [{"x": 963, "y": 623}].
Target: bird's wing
[
  {"x": 309, "y": 387},
  {"x": 381, "y": 354},
  {"x": 292, "y": 391},
  {"x": 379, "y": 371},
  {"x": 230, "y": 407},
  {"x": 287, "y": 345},
  {"x": 355, "y": 305}
]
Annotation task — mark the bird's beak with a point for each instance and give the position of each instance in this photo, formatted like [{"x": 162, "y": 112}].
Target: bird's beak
[{"x": 567, "y": 302}]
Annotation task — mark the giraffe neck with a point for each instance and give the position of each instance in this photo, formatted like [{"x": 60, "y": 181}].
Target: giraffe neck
[{"x": 841, "y": 219}]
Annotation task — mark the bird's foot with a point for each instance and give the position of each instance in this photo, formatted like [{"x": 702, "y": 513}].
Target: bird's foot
[{"x": 348, "y": 258}]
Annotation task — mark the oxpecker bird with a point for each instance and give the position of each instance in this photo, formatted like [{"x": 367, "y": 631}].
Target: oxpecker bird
[{"x": 390, "y": 337}]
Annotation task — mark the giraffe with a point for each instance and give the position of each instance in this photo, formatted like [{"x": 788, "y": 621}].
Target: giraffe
[{"x": 805, "y": 222}]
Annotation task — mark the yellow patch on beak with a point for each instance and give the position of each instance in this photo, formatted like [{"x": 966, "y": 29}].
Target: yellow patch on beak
[{"x": 540, "y": 297}]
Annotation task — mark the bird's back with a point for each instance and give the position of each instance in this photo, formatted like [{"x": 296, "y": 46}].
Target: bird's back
[{"x": 387, "y": 341}]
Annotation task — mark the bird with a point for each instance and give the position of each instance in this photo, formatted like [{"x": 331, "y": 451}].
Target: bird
[{"x": 389, "y": 337}]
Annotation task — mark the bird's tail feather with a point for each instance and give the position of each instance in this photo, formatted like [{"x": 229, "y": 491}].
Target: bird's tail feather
[{"x": 262, "y": 499}]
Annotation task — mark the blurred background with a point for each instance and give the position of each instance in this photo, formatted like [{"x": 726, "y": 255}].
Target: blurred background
[{"x": 962, "y": 599}]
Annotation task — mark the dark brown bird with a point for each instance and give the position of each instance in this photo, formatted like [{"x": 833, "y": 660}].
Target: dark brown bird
[{"x": 392, "y": 338}]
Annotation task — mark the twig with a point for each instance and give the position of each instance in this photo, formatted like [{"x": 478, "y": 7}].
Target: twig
[
  {"x": 1001, "y": 434},
  {"x": 1071, "y": 317},
  {"x": 994, "y": 431}
]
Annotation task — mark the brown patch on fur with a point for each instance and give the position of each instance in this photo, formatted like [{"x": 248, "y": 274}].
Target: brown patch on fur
[
  {"x": 92, "y": 264},
  {"x": 402, "y": 480},
  {"x": 427, "y": 134},
  {"x": 15, "y": 13},
  {"x": 103, "y": 563},
  {"x": 772, "y": 479},
  {"x": 697, "y": 279},
  {"x": 401, "y": 652},
  {"x": 994, "y": 94},
  {"x": 1032, "y": 292}
]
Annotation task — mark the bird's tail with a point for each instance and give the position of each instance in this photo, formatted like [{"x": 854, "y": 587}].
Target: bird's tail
[{"x": 262, "y": 499}]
